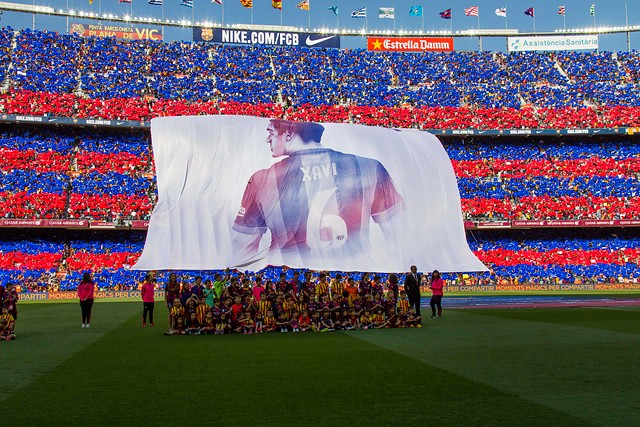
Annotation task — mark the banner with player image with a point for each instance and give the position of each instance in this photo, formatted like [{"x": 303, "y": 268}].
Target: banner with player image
[{"x": 249, "y": 192}]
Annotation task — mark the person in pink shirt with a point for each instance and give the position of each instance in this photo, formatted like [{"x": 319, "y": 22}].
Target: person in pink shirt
[
  {"x": 86, "y": 290},
  {"x": 258, "y": 289},
  {"x": 148, "y": 300},
  {"x": 436, "y": 285}
]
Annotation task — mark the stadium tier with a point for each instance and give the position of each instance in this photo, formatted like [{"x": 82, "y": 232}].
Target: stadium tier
[
  {"x": 108, "y": 176},
  {"x": 46, "y": 73},
  {"x": 55, "y": 260}
]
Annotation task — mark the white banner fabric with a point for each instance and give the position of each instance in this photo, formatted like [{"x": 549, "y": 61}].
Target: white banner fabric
[{"x": 247, "y": 192}]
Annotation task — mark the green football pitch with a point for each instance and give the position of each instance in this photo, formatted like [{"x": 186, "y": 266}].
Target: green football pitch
[{"x": 570, "y": 366}]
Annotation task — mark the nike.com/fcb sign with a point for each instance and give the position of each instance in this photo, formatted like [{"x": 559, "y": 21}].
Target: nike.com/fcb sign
[
  {"x": 410, "y": 44},
  {"x": 276, "y": 38}
]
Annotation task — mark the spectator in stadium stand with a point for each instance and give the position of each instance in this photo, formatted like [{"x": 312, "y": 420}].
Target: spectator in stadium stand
[
  {"x": 437, "y": 286},
  {"x": 148, "y": 300},
  {"x": 412, "y": 288},
  {"x": 86, "y": 291},
  {"x": 171, "y": 293}
]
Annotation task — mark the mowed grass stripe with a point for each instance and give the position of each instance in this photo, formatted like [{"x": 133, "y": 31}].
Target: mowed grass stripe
[
  {"x": 586, "y": 372},
  {"x": 597, "y": 318},
  {"x": 48, "y": 334},
  {"x": 135, "y": 376}
]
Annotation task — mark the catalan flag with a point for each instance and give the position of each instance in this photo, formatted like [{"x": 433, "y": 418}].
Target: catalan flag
[
  {"x": 304, "y": 5},
  {"x": 276, "y": 4},
  {"x": 247, "y": 3}
]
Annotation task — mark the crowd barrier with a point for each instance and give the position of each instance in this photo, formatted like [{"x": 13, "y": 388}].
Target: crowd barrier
[
  {"x": 534, "y": 287},
  {"x": 37, "y": 296},
  {"x": 529, "y": 287}
]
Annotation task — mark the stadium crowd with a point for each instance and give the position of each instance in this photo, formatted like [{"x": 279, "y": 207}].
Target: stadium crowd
[{"x": 64, "y": 75}]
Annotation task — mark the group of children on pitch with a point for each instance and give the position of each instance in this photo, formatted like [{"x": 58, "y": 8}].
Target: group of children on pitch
[{"x": 319, "y": 307}]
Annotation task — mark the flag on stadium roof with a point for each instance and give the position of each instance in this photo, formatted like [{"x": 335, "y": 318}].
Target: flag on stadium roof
[
  {"x": 359, "y": 13},
  {"x": 216, "y": 1},
  {"x": 155, "y": 2},
  {"x": 471, "y": 11},
  {"x": 529, "y": 12},
  {"x": 502, "y": 12},
  {"x": 90, "y": 1},
  {"x": 247, "y": 3},
  {"x": 304, "y": 5},
  {"x": 387, "y": 13},
  {"x": 415, "y": 11},
  {"x": 124, "y": 1},
  {"x": 561, "y": 10},
  {"x": 276, "y": 4},
  {"x": 446, "y": 14},
  {"x": 592, "y": 10},
  {"x": 333, "y": 9},
  {"x": 187, "y": 3}
]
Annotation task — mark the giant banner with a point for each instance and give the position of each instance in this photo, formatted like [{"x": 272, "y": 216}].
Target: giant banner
[
  {"x": 248, "y": 192},
  {"x": 261, "y": 37}
]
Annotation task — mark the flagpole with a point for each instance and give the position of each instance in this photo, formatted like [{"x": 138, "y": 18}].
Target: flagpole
[
  {"x": 479, "y": 36},
  {"x": 626, "y": 23},
  {"x": 506, "y": 20},
  {"x": 422, "y": 16},
  {"x": 281, "y": 7},
  {"x": 251, "y": 13},
  {"x": 309, "y": 16}
]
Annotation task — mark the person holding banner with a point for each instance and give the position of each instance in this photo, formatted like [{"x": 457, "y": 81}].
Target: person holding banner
[
  {"x": 86, "y": 290},
  {"x": 316, "y": 202}
]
